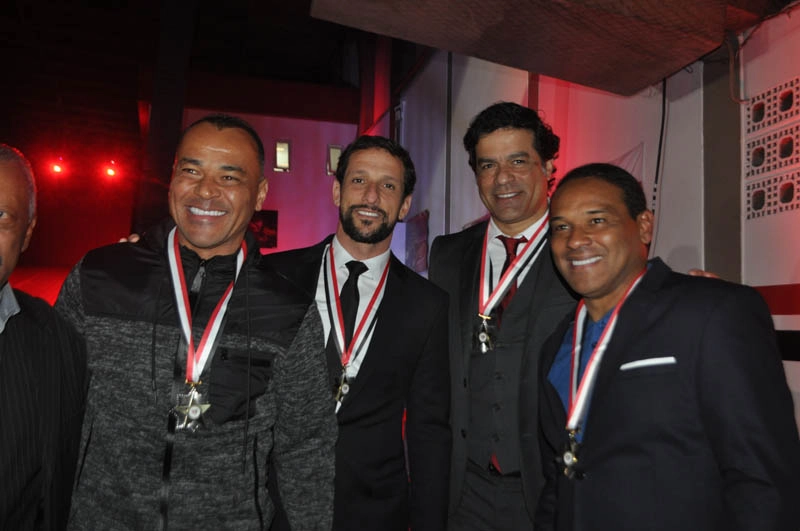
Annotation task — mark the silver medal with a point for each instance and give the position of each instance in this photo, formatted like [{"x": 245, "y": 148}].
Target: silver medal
[
  {"x": 189, "y": 410},
  {"x": 483, "y": 336}
]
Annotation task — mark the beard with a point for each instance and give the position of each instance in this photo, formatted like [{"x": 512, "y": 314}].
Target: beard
[{"x": 378, "y": 233}]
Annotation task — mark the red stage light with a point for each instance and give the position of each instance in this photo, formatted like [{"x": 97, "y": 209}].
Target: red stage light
[
  {"x": 57, "y": 167},
  {"x": 110, "y": 169}
]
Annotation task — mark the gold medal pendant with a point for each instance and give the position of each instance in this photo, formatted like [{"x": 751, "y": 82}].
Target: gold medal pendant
[{"x": 189, "y": 410}]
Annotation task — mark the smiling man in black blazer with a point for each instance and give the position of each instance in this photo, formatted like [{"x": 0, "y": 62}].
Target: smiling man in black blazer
[
  {"x": 663, "y": 400},
  {"x": 390, "y": 380},
  {"x": 512, "y": 152}
]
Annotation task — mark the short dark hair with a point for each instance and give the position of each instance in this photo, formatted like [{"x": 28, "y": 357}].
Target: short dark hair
[
  {"x": 632, "y": 193},
  {"x": 380, "y": 142},
  {"x": 507, "y": 115},
  {"x": 226, "y": 121},
  {"x": 12, "y": 154}
]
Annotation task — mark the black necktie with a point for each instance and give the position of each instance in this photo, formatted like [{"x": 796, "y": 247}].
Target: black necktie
[{"x": 349, "y": 299}]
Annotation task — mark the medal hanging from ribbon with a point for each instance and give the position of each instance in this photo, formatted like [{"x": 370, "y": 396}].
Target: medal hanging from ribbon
[
  {"x": 580, "y": 391},
  {"x": 191, "y": 405},
  {"x": 363, "y": 327},
  {"x": 489, "y": 298}
]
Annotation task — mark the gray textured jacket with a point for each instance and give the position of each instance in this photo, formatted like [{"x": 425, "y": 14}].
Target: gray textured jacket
[{"x": 266, "y": 383}]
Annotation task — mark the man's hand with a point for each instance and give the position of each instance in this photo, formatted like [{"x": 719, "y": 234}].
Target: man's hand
[
  {"x": 693, "y": 272},
  {"x": 134, "y": 238}
]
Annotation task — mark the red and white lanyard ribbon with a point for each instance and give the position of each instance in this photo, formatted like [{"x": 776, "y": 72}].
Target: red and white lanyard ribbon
[
  {"x": 196, "y": 358},
  {"x": 337, "y": 324},
  {"x": 489, "y": 298},
  {"x": 581, "y": 391}
]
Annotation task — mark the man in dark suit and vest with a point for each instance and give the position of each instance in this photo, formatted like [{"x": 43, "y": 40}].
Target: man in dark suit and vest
[
  {"x": 386, "y": 331},
  {"x": 663, "y": 400},
  {"x": 505, "y": 300},
  {"x": 43, "y": 376}
]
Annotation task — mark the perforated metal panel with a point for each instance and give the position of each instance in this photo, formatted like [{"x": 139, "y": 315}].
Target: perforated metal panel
[
  {"x": 773, "y": 195},
  {"x": 773, "y": 107},
  {"x": 771, "y": 165}
]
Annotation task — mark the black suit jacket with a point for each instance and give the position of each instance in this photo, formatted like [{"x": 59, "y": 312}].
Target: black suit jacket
[
  {"x": 704, "y": 439},
  {"x": 43, "y": 381},
  {"x": 455, "y": 266},
  {"x": 382, "y": 483}
]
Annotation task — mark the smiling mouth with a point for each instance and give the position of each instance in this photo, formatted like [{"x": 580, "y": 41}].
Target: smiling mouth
[
  {"x": 586, "y": 261},
  {"x": 507, "y": 195},
  {"x": 201, "y": 212},
  {"x": 368, "y": 213}
]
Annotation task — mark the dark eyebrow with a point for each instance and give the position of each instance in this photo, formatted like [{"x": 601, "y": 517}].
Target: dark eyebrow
[
  {"x": 519, "y": 155},
  {"x": 231, "y": 167},
  {"x": 198, "y": 162}
]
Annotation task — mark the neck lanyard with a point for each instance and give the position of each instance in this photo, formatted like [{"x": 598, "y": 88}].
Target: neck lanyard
[
  {"x": 580, "y": 391},
  {"x": 490, "y": 298},
  {"x": 337, "y": 324},
  {"x": 196, "y": 358}
]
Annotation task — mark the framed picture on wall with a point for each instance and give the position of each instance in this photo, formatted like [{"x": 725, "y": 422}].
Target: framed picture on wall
[
  {"x": 264, "y": 225},
  {"x": 334, "y": 152},
  {"x": 417, "y": 241}
]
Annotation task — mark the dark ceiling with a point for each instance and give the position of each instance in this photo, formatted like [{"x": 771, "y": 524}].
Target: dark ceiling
[
  {"x": 620, "y": 46},
  {"x": 264, "y": 39},
  {"x": 75, "y": 72}
]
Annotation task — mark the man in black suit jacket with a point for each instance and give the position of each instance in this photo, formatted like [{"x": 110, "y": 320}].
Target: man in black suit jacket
[
  {"x": 511, "y": 152},
  {"x": 390, "y": 382},
  {"x": 665, "y": 407},
  {"x": 42, "y": 376}
]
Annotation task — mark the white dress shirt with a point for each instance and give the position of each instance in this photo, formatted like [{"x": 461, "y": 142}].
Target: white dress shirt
[
  {"x": 367, "y": 284},
  {"x": 497, "y": 251}
]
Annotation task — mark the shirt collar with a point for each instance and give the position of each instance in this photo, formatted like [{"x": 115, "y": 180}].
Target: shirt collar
[
  {"x": 8, "y": 305},
  {"x": 375, "y": 265}
]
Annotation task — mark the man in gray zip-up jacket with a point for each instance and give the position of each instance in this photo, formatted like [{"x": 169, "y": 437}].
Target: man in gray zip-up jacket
[{"x": 203, "y": 367}]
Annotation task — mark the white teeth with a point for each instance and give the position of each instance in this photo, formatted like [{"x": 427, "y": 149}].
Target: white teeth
[
  {"x": 506, "y": 196},
  {"x": 200, "y": 212},
  {"x": 368, "y": 213},
  {"x": 578, "y": 263}
]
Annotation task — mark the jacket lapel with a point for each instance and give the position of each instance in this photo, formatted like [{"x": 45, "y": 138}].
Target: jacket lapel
[
  {"x": 636, "y": 314},
  {"x": 470, "y": 286}
]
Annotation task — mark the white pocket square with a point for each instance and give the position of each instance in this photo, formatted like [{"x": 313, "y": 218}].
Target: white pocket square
[{"x": 649, "y": 362}]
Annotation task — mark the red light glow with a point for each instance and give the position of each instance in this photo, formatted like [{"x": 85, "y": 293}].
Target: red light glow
[{"x": 110, "y": 169}]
